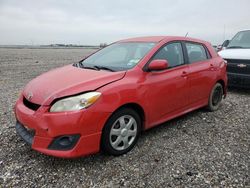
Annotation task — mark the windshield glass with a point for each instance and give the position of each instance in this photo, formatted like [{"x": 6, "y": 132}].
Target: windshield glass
[
  {"x": 118, "y": 56},
  {"x": 240, "y": 40}
]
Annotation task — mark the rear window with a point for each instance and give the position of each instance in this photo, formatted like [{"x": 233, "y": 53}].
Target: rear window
[{"x": 196, "y": 52}]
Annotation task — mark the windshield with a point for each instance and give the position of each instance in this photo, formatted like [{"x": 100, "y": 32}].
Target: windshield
[
  {"x": 118, "y": 56},
  {"x": 240, "y": 40}
]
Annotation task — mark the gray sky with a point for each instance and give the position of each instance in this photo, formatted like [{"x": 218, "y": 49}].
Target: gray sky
[{"x": 96, "y": 21}]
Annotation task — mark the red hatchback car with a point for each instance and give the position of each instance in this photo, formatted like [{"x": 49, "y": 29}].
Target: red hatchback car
[{"x": 107, "y": 99}]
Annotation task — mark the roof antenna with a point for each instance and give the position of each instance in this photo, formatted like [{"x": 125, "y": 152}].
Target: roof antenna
[{"x": 186, "y": 34}]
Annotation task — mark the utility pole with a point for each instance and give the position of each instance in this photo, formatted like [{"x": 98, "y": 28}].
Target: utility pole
[{"x": 224, "y": 33}]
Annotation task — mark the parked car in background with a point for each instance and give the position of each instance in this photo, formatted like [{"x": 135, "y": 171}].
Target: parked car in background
[
  {"x": 215, "y": 48},
  {"x": 107, "y": 99},
  {"x": 219, "y": 47},
  {"x": 222, "y": 46},
  {"x": 237, "y": 55}
]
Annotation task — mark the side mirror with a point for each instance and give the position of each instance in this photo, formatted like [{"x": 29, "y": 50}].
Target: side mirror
[
  {"x": 158, "y": 64},
  {"x": 225, "y": 43}
]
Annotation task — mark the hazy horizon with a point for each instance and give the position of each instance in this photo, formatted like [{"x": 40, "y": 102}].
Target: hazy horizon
[{"x": 93, "y": 22}]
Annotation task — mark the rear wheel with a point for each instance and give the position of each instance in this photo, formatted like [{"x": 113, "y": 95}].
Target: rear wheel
[
  {"x": 121, "y": 132},
  {"x": 215, "y": 98}
]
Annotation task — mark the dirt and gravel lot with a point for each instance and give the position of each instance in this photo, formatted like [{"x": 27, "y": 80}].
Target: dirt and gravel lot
[{"x": 200, "y": 149}]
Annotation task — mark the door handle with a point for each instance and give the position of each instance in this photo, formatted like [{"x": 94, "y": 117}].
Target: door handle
[
  {"x": 184, "y": 74},
  {"x": 212, "y": 67}
]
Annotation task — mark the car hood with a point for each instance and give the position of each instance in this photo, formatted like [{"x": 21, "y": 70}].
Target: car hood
[
  {"x": 66, "y": 81},
  {"x": 235, "y": 54}
]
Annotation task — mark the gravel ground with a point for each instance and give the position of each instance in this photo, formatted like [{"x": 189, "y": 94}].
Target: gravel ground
[{"x": 200, "y": 149}]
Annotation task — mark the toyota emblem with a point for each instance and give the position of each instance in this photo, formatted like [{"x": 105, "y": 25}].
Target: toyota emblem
[{"x": 29, "y": 96}]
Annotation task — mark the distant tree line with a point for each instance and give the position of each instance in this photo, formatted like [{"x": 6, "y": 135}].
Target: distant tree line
[{"x": 102, "y": 45}]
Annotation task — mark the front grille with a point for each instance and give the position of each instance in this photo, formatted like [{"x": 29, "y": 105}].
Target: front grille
[
  {"x": 30, "y": 105},
  {"x": 239, "y": 80},
  {"x": 238, "y": 66}
]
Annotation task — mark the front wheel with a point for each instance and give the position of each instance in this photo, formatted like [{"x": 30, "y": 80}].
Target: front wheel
[
  {"x": 121, "y": 132},
  {"x": 215, "y": 97}
]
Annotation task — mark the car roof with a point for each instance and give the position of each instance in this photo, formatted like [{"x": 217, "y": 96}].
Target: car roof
[
  {"x": 161, "y": 38},
  {"x": 244, "y": 30},
  {"x": 144, "y": 39}
]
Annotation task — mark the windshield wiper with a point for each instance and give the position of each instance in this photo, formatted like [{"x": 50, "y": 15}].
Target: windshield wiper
[
  {"x": 95, "y": 67},
  {"x": 80, "y": 64},
  {"x": 103, "y": 68},
  {"x": 234, "y": 47},
  {"x": 88, "y": 67}
]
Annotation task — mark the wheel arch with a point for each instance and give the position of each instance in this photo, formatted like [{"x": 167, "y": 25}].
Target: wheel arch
[
  {"x": 105, "y": 135},
  {"x": 135, "y": 106},
  {"x": 223, "y": 85}
]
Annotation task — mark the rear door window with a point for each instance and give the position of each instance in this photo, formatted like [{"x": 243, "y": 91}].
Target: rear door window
[{"x": 196, "y": 52}]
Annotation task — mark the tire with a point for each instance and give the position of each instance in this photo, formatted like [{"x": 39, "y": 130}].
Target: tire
[
  {"x": 215, "y": 97},
  {"x": 121, "y": 132}
]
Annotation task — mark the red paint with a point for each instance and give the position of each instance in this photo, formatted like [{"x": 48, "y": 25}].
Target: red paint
[
  {"x": 158, "y": 64},
  {"x": 163, "y": 95},
  {"x": 65, "y": 81}
]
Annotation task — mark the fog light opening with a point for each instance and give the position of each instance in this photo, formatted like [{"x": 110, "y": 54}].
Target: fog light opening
[{"x": 65, "y": 142}]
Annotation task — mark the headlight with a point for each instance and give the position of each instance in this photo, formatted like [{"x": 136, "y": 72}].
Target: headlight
[{"x": 75, "y": 103}]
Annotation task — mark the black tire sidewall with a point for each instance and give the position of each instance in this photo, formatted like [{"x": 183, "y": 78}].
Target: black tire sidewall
[
  {"x": 105, "y": 142},
  {"x": 212, "y": 107}
]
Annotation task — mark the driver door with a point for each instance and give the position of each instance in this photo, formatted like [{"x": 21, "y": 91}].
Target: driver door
[{"x": 167, "y": 89}]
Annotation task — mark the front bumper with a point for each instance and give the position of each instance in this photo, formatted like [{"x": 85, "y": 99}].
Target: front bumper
[
  {"x": 48, "y": 126},
  {"x": 27, "y": 136},
  {"x": 238, "y": 80}
]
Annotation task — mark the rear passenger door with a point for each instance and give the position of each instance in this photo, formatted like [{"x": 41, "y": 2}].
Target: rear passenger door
[{"x": 201, "y": 72}]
